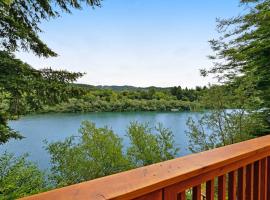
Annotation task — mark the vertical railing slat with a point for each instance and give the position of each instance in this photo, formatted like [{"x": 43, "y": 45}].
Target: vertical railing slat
[
  {"x": 222, "y": 187},
  {"x": 232, "y": 186},
  {"x": 256, "y": 185},
  {"x": 210, "y": 190},
  {"x": 268, "y": 178},
  {"x": 170, "y": 194},
  {"x": 249, "y": 181},
  {"x": 263, "y": 179},
  {"x": 181, "y": 196},
  {"x": 241, "y": 184},
  {"x": 196, "y": 192}
]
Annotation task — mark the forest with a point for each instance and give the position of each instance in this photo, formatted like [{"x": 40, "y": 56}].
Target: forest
[
  {"x": 140, "y": 99},
  {"x": 241, "y": 66}
]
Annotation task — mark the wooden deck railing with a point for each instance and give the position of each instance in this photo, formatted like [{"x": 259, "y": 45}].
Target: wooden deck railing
[{"x": 239, "y": 171}]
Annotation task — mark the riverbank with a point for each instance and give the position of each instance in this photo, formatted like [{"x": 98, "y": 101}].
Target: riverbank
[{"x": 125, "y": 105}]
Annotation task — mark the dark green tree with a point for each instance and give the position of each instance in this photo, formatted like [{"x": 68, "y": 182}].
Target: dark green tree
[
  {"x": 25, "y": 89},
  {"x": 243, "y": 49},
  {"x": 5, "y": 131}
]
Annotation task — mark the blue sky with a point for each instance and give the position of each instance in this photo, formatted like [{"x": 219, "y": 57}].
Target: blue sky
[{"x": 136, "y": 42}]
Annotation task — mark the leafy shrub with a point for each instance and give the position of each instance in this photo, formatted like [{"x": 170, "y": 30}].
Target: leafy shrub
[
  {"x": 98, "y": 152},
  {"x": 19, "y": 177}
]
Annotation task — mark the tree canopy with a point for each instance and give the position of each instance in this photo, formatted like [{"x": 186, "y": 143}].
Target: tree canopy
[
  {"x": 242, "y": 52},
  {"x": 242, "y": 63},
  {"x": 98, "y": 152},
  {"x": 24, "y": 89}
]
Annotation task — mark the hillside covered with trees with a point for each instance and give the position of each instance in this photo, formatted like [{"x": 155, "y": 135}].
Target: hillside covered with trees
[{"x": 121, "y": 99}]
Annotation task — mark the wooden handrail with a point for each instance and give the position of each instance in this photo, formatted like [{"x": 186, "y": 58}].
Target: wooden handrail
[{"x": 245, "y": 164}]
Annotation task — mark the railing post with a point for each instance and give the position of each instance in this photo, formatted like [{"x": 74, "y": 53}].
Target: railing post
[
  {"x": 268, "y": 178},
  {"x": 257, "y": 182},
  {"x": 171, "y": 194},
  {"x": 263, "y": 178},
  {"x": 222, "y": 187},
  {"x": 181, "y": 196},
  {"x": 241, "y": 184},
  {"x": 232, "y": 186},
  {"x": 196, "y": 192},
  {"x": 249, "y": 181},
  {"x": 210, "y": 189}
]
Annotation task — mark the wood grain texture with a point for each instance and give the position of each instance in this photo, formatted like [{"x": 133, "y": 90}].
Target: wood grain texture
[
  {"x": 157, "y": 195},
  {"x": 268, "y": 178},
  {"x": 222, "y": 187},
  {"x": 257, "y": 182},
  {"x": 241, "y": 183},
  {"x": 232, "y": 186},
  {"x": 196, "y": 192},
  {"x": 189, "y": 169},
  {"x": 263, "y": 176},
  {"x": 249, "y": 181},
  {"x": 210, "y": 189},
  {"x": 186, "y": 184},
  {"x": 170, "y": 194},
  {"x": 181, "y": 196}
]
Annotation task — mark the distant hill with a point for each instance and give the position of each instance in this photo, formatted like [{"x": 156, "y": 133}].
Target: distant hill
[{"x": 120, "y": 88}]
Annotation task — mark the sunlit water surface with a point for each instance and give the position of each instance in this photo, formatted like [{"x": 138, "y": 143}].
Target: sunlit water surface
[{"x": 56, "y": 127}]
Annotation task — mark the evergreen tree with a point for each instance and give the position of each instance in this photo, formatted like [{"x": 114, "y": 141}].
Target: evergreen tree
[
  {"x": 25, "y": 89},
  {"x": 242, "y": 52}
]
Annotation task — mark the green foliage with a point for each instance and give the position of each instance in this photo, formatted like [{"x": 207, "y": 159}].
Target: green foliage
[
  {"x": 25, "y": 90},
  {"x": 242, "y": 62},
  {"x": 6, "y": 2},
  {"x": 219, "y": 126},
  {"x": 187, "y": 94},
  {"x": 98, "y": 152},
  {"x": 20, "y": 19},
  {"x": 6, "y": 132},
  {"x": 74, "y": 105},
  {"x": 146, "y": 99},
  {"x": 19, "y": 178},
  {"x": 147, "y": 148},
  {"x": 30, "y": 88},
  {"x": 242, "y": 51}
]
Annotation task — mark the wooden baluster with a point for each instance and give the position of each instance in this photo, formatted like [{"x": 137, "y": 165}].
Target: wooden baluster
[
  {"x": 257, "y": 185},
  {"x": 170, "y": 194},
  {"x": 210, "y": 190},
  {"x": 268, "y": 178},
  {"x": 241, "y": 184},
  {"x": 222, "y": 187},
  {"x": 232, "y": 186},
  {"x": 249, "y": 181},
  {"x": 263, "y": 178},
  {"x": 196, "y": 192},
  {"x": 181, "y": 196}
]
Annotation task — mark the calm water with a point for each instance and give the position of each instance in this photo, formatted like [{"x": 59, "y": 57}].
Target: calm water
[{"x": 56, "y": 127}]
